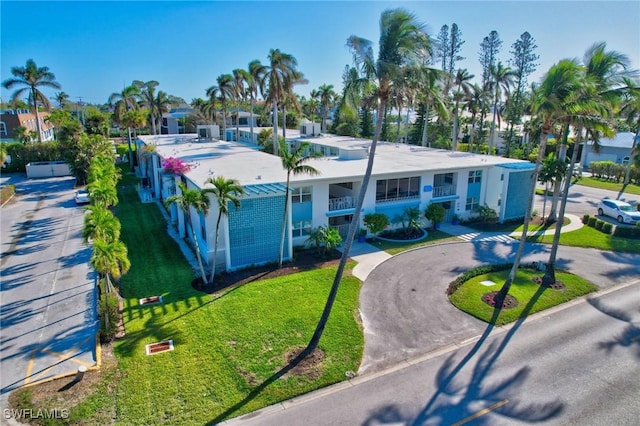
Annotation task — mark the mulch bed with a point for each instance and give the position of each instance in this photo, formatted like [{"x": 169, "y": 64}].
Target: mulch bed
[
  {"x": 510, "y": 302},
  {"x": 402, "y": 235},
  {"x": 558, "y": 285},
  {"x": 303, "y": 260}
]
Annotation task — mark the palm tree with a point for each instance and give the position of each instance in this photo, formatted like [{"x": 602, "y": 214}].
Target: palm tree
[
  {"x": 311, "y": 108},
  {"x": 462, "y": 91},
  {"x": 148, "y": 97},
  {"x": 293, "y": 163},
  {"x": 191, "y": 199},
  {"x": 100, "y": 223},
  {"x": 103, "y": 193},
  {"x": 32, "y": 77},
  {"x": 226, "y": 191},
  {"x": 240, "y": 78},
  {"x": 61, "y": 98},
  {"x": 223, "y": 91},
  {"x": 161, "y": 103},
  {"x": 255, "y": 83},
  {"x": 290, "y": 98},
  {"x": 281, "y": 65},
  {"x": 327, "y": 96},
  {"x": 631, "y": 109},
  {"x": 403, "y": 43},
  {"x": 109, "y": 258},
  {"x": 122, "y": 102},
  {"x": 431, "y": 94},
  {"x": 474, "y": 106},
  {"x": 502, "y": 79}
]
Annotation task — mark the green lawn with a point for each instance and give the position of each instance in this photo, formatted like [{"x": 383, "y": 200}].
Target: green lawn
[
  {"x": 605, "y": 184},
  {"x": 589, "y": 237},
  {"x": 392, "y": 248},
  {"x": 225, "y": 344},
  {"x": 468, "y": 297}
]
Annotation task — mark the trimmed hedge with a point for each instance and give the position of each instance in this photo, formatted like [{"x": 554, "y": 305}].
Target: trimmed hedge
[
  {"x": 599, "y": 224},
  {"x": 592, "y": 221},
  {"x": 626, "y": 232},
  {"x": 585, "y": 219},
  {"x": 607, "y": 228}
]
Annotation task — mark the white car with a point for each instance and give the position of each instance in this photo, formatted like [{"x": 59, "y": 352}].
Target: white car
[
  {"x": 82, "y": 196},
  {"x": 619, "y": 210}
]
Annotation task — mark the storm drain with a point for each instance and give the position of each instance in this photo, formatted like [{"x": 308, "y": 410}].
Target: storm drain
[
  {"x": 157, "y": 348},
  {"x": 152, "y": 300}
]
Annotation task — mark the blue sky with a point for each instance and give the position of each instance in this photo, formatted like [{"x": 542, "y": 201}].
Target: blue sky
[{"x": 95, "y": 48}]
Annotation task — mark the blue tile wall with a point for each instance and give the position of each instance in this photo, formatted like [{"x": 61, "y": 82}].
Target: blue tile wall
[
  {"x": 517, "y": 194},
  {"x": 255, "y": 230}
]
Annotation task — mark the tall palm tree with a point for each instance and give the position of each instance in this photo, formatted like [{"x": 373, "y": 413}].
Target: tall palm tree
[
  {"x": 240, "y": 78},
  {"x": 122, "y": 102},
  {"x": 61, "y": 98},
  {"x": 255, "y": 84},
  {"x": 191, "y": 199},
  {"x": 33, "y": 78},
  {"x": 161, "y": 104},
  {"x": 431, "y": 94},
  {"x": 501, "y": 80},
  {"x": 311, "y": 107},
  {"x": 100, "y": 223},
  {"x": 226, "y": 191},
  {"x": 462, "y": 84},
  {"x": 110, "y": 259},
  {"x": 403, "y": 43},
  {"x": 327, "y": 96},
  {"x": 631, "y": 110},
  {"x": 290, "y": 98},
  {"x": 281, "y": 66},
  {"x": 293, "y": 163},
  {"x": 223, "y": 91},
  {"x": 474, "y": 106}
]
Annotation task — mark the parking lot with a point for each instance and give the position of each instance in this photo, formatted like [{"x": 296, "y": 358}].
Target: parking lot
[{"x": 48, "y": 318}]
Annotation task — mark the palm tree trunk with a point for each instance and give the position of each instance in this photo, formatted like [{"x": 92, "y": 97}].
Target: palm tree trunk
[
  {"x": 549, "y": 275},
  {"x": 284, "y": 222},
  {"x": 504, "y": 290},
  {"x": 454, "y": 131},
  {"x": 251, "y": 124},
  {"x": 472, "y": 132},
  {"x": 425, "y": 142},
  {"x": 353, "y": 226},
  {"x": 492, "y": 132},
  {"x": 562, "y": 155},
  {"x": 238, "y": 121},
  {"x": 35, "y": 110},
  {"x": 284, "y": 121},
  {"x": 224, "y": 124},
  {"x": 195, "y": 242},
  {"x": 107, "y": 323},
  {"x": 275, "y": 127},
  {"x": 215, "y": 248},
  {"x": 627, "y": 172},
  {"x": 153, "y": 124},
  {"x": 406, "y": 126},
  {"x": 130, "y": 150}
]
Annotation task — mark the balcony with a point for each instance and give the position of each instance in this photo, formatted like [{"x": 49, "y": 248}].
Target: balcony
[
  {"x": 444, "y": 191},
  {"x": 341, "y": 203}
]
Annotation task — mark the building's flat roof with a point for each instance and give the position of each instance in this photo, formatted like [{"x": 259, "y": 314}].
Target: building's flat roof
[
  {"x": 620, "y": 140},
  {"x": 253, "y": 167}
]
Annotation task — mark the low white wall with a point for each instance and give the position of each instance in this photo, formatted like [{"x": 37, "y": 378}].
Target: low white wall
[{"x": 43, "y": 169}]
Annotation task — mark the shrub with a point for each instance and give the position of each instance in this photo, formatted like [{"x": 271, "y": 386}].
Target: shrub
[
  {"x": 607, "y": 228},
  {"x": 324, "y": 239},
  {"x": 435, "y": 213},
  {"x": 592, "y": 221},
  {"x": 627, "y": 232},
  {"x": 599, "y": 224},
  {"x": 6, "y": 192},
  {"x": 487, "y": 214},
  {"x": 106, "y": 335},
  {"x": 175, "y": 166},
  {"x": 376, "y": 222},
  {"x": 585, "y": 219}
]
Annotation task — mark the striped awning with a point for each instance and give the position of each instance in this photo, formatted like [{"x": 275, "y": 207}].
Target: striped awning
[{"x": 265, "y": 189}]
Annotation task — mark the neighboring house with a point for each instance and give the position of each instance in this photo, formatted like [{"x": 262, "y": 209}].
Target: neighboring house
[
  {"x": 616, "y": 149},
  {"x": 403, "y": 176},
  {"x": 10, "y": 119},
  {"x": 171, "y": 121},
  {"x": 244, "y": 126}
]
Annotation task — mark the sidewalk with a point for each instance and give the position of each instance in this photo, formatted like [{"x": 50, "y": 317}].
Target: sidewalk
[{"x": 369, "y": 256}]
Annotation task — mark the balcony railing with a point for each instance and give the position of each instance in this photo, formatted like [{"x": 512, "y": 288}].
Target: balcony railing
[
  {"x": 343, "y": 230},
  {"x": 444, "y": 190},
  {"x": 341, "y": 203}
]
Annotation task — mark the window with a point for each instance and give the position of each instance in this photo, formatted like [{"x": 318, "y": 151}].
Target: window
[
  {"x": 301, "y": 195},
  {"x": 301, "y": 228},
  {"x": 472, "y": 204},
  {"x": 397, "y": 189},
  {"x": 475, "y": 176}
]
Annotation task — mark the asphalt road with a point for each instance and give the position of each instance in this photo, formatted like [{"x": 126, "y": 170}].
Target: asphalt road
[
  {"x": 577, "y": 364},
  {"x": 47, "y": 310}
]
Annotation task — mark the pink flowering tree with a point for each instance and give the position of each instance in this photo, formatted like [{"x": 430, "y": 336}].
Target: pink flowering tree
[{"x": 175, "y": 166}]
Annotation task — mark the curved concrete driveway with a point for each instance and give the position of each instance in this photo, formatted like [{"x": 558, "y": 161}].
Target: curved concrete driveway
[{"x": 406, "y": 312}]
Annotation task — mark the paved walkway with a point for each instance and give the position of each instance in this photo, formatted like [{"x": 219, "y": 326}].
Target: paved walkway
[{"x": 369, "y": 256}]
